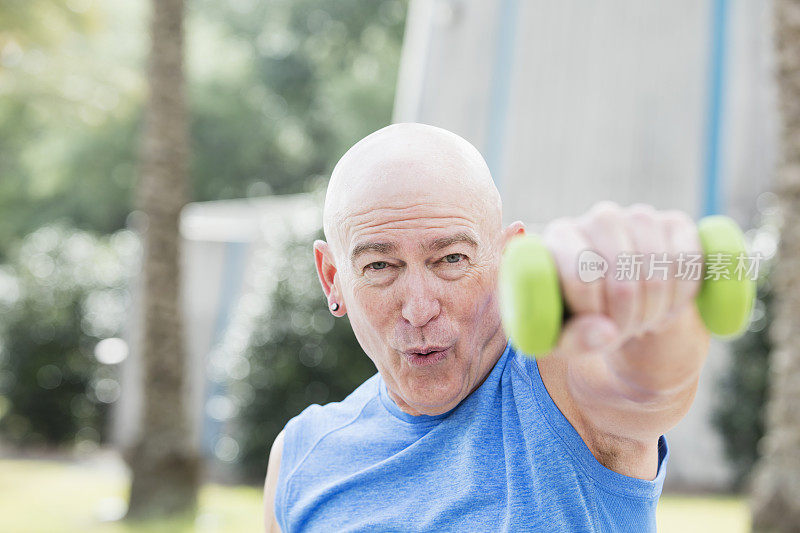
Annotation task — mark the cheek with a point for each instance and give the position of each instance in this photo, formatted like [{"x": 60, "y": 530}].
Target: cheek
[
  {"x": 474, "y": 299},
  {"x": 370, "y": 312},
  {"x": 372, "y": 302}
]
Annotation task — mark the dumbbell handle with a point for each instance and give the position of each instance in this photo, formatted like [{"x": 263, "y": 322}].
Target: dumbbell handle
[{"x": 533, "y": 308}]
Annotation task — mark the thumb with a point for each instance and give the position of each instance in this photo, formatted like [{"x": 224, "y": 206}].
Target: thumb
[{"x": 587, "y": 334}]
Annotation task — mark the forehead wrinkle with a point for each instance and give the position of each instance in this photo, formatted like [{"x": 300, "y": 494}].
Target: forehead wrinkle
[
  {"x": 398, "y": 214},
  {"x": 423, "y": 223},
  {"x": 380, "y": 166}
]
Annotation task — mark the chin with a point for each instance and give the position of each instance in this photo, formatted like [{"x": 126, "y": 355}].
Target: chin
[
  {"x": 435, "y": 400},
  {"x": 434, "y": 410}
]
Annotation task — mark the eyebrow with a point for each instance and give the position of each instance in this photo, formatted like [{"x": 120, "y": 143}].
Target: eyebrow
[
  {"x": 436, "y": 244},
  {"x": 444, "y": 242},
  {"x": 364, "y": 247}
]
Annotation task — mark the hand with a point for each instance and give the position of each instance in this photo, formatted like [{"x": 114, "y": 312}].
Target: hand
[
  {"x": 610, "y": 311},
  {"x": 627, "y": 364}
]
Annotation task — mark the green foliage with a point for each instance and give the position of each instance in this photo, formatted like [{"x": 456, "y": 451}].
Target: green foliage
[
  {"x": 277, "y": 91},
  {"x": 741, "y": 392},
  {"x": 63, "y": 292},
  {"x": 68, "y": 106},
  {"x": 299, "y": 354},
  {"x": 41, "y": 21},
  {"x": 309, "y": 78}
]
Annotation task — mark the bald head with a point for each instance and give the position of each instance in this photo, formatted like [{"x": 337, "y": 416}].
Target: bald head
[
  {"x": 414, "y": 230},
  {"x": 401, "y": 164}
]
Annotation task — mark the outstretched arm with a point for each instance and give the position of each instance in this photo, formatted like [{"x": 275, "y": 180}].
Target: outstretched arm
[{"x": 627, "y": 364}]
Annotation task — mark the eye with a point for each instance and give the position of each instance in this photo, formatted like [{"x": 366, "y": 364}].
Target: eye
[
  {"x": 378, "y": 265},
  {"x": 453, "y": 258}
]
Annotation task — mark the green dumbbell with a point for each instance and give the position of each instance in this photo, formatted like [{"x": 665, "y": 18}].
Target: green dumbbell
[{"x": 532, "y": 307}]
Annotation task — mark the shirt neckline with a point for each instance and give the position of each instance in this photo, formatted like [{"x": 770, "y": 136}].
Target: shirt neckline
[{"x": 393, "y": 409}]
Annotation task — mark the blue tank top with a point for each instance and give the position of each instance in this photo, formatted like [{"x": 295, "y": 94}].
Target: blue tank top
[{"x": 504, "y": 459}]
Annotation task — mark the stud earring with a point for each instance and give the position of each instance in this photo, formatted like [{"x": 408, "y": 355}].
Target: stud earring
[{"x": 334, "y": 307}]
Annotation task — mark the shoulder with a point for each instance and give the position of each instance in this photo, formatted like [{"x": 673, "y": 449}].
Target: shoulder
[
  {"x": 271, "y": 485},
  {"x": 303, "y": 432},
  {"x": 300, "y": 437}
]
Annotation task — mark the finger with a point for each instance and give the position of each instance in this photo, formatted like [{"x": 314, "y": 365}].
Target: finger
[
  {"x": 684, "y": 242},
  {"x": 604, "y": 229},
  {"x": 649, "y": 239},
  {"x": 586, "y": 334},
  {"x": 566, "y": 243}
]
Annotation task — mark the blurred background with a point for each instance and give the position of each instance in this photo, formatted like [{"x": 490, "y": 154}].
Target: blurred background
[{"x": 677, "y": 104}]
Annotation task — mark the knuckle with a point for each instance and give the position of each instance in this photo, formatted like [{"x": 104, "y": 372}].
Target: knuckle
[
  {"x": 603, "y": 213},
  {"x": 687, "y": 239},
  {"x": 676, "y": 218},
  {"x": 642, "y": 215},
  {"x": 681, "y": 231}
]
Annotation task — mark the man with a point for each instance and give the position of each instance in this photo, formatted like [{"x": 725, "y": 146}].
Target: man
[{"x": 458, "y": 431}]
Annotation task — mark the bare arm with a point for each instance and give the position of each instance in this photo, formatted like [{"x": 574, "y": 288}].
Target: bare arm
[
  {"x": 627, "y": 365},
  {"x": 271, "y": 485},
  {"x": 620, "y": 415}
]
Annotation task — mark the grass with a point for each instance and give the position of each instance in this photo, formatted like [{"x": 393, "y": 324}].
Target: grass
[
  {"x": 48, "y": 496},
  {"x": 701, "y": 514}
]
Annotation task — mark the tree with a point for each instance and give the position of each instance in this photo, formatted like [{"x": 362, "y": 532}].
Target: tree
[
  {"x": 33, "y": 35},
  {"x": 283, "y": 89},
  {"x": 164, "y": 463},
  {"x": 775, "y": 503}
]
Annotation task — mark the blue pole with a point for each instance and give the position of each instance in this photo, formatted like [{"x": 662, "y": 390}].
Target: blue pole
[
  {"x": 231, "y": 280},
  {"x": 711, "y": 192}
]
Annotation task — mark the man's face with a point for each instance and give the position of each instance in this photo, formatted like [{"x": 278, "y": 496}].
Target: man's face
[
  {"x": 416, "y": 268},
  {"x": 421, "y": 298}
]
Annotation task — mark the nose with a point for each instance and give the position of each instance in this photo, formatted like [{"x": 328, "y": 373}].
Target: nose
[{"x": 420, "y": 302}]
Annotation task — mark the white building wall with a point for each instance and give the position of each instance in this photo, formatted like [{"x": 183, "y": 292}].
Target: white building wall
[
  {"x": 226, "y": 248},
  {"x": 574, "y": 102}
]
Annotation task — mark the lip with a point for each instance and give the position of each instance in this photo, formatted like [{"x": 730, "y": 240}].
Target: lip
[{"x": 434, "y": 354}]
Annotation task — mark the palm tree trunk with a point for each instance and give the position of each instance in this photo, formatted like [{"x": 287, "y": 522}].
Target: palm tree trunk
[
  {"x": 164, "y": 463},
  {"x": 776, "y": 487}
]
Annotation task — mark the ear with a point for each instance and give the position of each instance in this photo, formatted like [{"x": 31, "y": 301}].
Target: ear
[
  {"x": 514, "y": 229},
  {"x": 326, "y": 271}
]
